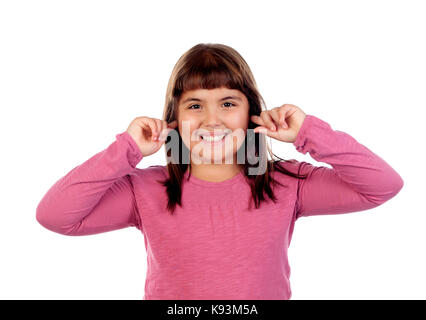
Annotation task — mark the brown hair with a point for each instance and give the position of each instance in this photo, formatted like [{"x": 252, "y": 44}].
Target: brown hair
[{"x": 210, "y": 66}]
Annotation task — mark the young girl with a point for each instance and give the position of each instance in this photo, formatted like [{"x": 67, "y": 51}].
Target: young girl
[{"x": 218, "y": 218}]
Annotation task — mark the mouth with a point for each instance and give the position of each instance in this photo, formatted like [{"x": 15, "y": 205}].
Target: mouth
[{"x": 213, "y": 139}]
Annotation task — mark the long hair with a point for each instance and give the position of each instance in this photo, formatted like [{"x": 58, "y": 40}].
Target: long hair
[{"x": 210, "y": 66}]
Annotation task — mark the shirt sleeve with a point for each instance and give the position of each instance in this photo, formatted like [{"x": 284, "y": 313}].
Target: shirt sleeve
[
  {"x": 96, "y": 196},
  {"x": 358, "y": 180}
]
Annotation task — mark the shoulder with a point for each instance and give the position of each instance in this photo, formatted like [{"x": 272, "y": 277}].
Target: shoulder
[
  {"x": 291, "y": 164},
  {"x": 150, "y": 174},
  {"x": 153, "y": 171},
  {"x": 294, "y": 166},
  {"x": 148, "y": 187}
]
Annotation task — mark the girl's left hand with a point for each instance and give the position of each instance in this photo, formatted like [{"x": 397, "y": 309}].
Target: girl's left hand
[{"x": 281, "y": 123}]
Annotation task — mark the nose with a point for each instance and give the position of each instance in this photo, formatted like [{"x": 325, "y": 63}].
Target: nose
[{"x": 212, "y": 119}]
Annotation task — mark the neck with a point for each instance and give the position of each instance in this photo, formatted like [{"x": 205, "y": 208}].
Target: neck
[{"x": 215, "y": 172}]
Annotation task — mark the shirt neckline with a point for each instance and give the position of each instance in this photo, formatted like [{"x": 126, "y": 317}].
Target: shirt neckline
[{"x": 238, "y": 177}]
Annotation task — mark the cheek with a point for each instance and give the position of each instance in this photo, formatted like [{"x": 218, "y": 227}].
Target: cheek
[
  {"x": 240, "y": 127},
  {"x": 239, "y": 121},
  {"x": 187, "y": 125}
]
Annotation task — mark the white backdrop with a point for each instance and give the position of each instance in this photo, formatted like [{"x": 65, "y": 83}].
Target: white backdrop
[{"x": 73, "y": 74}]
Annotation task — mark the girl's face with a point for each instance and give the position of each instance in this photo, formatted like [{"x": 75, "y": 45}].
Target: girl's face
[{"x": 213, "y": 123}]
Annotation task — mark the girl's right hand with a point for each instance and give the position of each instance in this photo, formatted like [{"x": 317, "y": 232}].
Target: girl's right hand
[{"x": 150, "y": 133}]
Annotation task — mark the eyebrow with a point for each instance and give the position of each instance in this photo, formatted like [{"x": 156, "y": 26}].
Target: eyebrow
[{"x": 225, "y": 98}]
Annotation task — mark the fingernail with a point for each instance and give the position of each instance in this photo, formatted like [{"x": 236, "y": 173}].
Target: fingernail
[
  {"x": 273, "y": 128},
  {"x": 284, "y": 126}
]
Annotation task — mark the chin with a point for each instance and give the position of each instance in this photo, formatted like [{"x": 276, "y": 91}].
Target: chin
[{"x": 229, "y": 159}]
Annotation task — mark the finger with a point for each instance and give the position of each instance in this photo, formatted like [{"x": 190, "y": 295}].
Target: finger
[
  {"x": 275, "y": 116},
  {"x": 257, "y": 120},
  {"x": 159, "y": 126},
  {"x": 164, "y": 131},
  {"x": 148, "y": 123},
  {"x": 173, "y": 124},
  {"x": 282, "y": 115},
  {"x": 260, "y": 129},
  {"x": 266, "y": 117},
  {"x": 154, "y": 128}
]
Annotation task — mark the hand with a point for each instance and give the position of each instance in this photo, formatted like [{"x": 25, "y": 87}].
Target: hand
[
  {"x": 150, "y": 133},
  {"x": 272, "y": 121}
]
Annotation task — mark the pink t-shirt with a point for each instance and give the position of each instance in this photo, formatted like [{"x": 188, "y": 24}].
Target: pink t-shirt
[{"x": 215, "y": 246}]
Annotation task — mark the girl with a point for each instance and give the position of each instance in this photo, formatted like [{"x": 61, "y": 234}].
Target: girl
[{"x": 218, "y": 218}]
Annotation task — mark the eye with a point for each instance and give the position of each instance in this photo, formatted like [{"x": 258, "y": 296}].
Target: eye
[{"x": 230, "y": 103}]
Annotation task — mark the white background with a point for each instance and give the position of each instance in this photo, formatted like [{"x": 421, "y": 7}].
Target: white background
[{"x": 73, "y": 74}]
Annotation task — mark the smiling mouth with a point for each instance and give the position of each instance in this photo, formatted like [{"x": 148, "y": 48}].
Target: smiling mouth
[{"x": 213, "y": 139}]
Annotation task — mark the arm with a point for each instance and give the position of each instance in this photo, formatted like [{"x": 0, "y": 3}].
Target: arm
[
  {"x": 96, "y": 196},
  {"x": 359, "y": 179}
]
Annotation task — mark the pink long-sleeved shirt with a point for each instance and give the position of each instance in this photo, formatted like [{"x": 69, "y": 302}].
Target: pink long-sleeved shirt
[{"x": 214, "y": 247}]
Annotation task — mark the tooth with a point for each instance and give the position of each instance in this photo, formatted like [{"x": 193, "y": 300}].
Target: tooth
[{"x": 216, "y": 138}]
